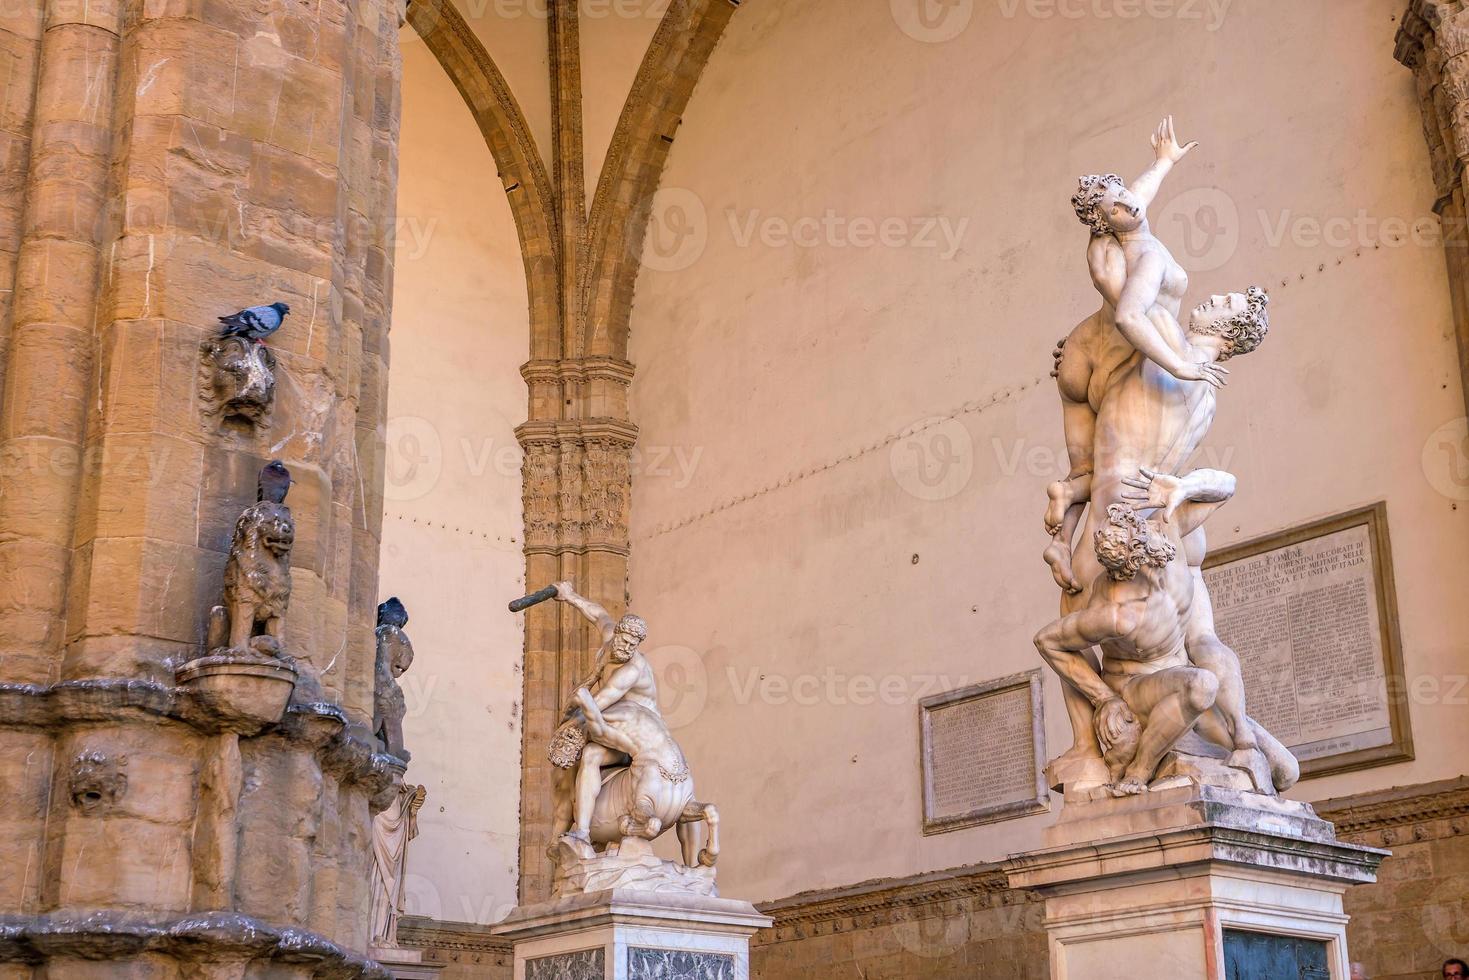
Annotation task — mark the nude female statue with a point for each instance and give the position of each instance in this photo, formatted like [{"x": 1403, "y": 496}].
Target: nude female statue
[{"x": 1142, "y": 288}]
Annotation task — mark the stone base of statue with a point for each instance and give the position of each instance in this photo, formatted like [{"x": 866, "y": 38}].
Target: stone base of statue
[
  {"x": 633, "y": 934},
  {"x": 1194, "y": 881},
  {"x": 405, "y": 964}
]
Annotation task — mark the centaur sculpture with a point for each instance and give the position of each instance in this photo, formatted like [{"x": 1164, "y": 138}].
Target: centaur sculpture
[{"x": 621, "y": 780}]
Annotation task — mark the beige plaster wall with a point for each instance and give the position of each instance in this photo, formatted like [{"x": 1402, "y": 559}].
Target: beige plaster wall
[
  {"x": 451, "y": 531},
  {"x": 804, "y": 582},
  {"x": 614, "y": 38}
]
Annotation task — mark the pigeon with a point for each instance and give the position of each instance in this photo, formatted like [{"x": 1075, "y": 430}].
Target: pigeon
[
  {"x": 255, "y": 323},
  {"x": 392, "y": 613},
  {"x": 275, "y": 481}
]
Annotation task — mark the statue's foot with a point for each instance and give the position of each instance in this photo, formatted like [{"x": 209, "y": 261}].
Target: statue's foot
[
  {"x": 1058, "y": 556},
  {"x": 1060, "y": 494},
  {"x": 1253, "y": 762},
  {"x": 1129, "y": 787}
]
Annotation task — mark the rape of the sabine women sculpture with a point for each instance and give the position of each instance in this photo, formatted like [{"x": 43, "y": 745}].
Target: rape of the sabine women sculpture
[
  {"x": 1138, "y": 396},
  {"x": 621, "y": 779}
]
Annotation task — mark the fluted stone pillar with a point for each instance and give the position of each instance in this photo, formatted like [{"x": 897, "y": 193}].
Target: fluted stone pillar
[{"x": 163, "y": 162}]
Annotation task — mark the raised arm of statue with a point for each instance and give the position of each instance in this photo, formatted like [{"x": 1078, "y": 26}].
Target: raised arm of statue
[
  {"x": 605, "y": 624},
  {"x": 1063, "y": 642},
  {"x": 1135, "y": 309},
  {"x": 1167, "y": 151},
  {"x": 1185, "y": 502},
  {"x": 597, "y": 727}
]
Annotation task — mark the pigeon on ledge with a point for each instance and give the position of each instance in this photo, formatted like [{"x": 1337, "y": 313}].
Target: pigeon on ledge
[
  {"x": 275, "y": 481},
  {"x": 255, "y": 323}
]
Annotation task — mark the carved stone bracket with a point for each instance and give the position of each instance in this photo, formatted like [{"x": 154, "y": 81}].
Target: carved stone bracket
[{"x": 577, "y": 479}]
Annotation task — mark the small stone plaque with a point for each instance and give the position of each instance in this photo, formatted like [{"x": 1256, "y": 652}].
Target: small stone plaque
[
  {"x": 1312, "y": 615},
  {"x": 983, "y": 753},
  {"x": 581, "y": 964},
  {"x": 678, "y": 964}
]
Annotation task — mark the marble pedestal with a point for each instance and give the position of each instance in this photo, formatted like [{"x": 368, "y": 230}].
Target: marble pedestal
[
  {"x": 1172, "y": 883},
  {"x": 633, "y": 934},
  {"x": 405, "y": 964}
]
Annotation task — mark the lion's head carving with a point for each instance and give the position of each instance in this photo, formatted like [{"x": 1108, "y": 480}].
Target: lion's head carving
[{"x": 237, "y": 378}]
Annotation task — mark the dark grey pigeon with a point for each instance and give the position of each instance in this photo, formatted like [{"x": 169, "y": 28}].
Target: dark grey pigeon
[
  {"x": 255, "y": 323},
  {"x": 275, "y": 481},
  {"x": 392, "y": 613}
]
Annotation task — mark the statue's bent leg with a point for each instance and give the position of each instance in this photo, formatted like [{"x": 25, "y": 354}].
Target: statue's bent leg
[
  {"x": 1206, "y": 650},
  {"x": 588, "y": 784},
  {"x": 1079, "y": 710},
  {"x": 1171, "y": 700}
]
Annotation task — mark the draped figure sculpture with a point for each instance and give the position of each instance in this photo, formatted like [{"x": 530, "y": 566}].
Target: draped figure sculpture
[{"x": 1138, "y": 394}]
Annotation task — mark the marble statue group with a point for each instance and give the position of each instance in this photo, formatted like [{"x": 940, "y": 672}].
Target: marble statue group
[{"x": 1143, "y": 669}]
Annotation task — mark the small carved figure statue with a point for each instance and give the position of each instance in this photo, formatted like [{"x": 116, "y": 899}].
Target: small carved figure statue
[
  {"x": 257, "y": 576},
  {"x": 394, "y": 655},
  {"x": 237, "y": 379},
  {"x": 392, "y": 829}
]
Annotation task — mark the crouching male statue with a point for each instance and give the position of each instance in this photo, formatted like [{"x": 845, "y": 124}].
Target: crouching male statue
[
  {"x": 1149, "y": 694},
  {"x": 621, "y": 779}
]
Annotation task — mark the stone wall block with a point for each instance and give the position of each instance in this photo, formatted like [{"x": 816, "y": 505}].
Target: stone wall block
[
  {"x": 43, "y": 466},
  {"x": 30, "y": 606},
  {"x": 168, "y": 402},
  {"x": 20, "y": 58},
  {"x": 216, "y": 837},
  {"x": 25, "y": 20},
  {"x": 145, "y": 588},
  {"x": 154, "y": 480},
  {"x": 25, "y": 780},
  {"x": 53, "y": 285}
]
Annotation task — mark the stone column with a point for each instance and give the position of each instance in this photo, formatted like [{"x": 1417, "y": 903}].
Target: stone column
[
  {"x": 188, "y": 158},
  {"x": 1433, "y": 40},
  {"x": 577, "y": 486}
]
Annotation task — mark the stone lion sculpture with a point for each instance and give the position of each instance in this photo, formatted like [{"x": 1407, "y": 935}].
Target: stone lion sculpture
[
  {"x": 237, "y": 378},
  {"x": 257, "y": 576},
  {"x": 394, "y": 656}
]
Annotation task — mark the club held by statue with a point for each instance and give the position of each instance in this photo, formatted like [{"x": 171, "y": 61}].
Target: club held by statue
[{"x": 535, "y": 598}]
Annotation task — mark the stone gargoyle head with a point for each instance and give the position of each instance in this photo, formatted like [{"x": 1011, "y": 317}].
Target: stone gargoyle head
[{"x": 237, "y": 378}]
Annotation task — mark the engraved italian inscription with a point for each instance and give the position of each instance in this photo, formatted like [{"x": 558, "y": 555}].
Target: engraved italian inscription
[
  {"x": 1307, "y": 619},
  {"x": 982, "y": 754}
]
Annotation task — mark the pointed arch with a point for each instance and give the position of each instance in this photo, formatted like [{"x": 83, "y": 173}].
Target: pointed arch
[
  {"x": 612, "y": 248},
  {"x": 522, "y": 171}
]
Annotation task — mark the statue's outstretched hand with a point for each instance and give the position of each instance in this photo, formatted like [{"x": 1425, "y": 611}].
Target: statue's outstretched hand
[
  {"x": 564, "y": 591},
  {"x": 1163, "y": 491},
  {"x": 1165, "y": 142},
  {"x": 1215, "y": 374}
]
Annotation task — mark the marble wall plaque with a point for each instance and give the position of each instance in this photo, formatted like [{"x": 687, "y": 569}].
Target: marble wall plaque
[
  {"x": 983, "y": 753},
  {"x": 1312, "y": 614},
  {"x": 581, "y": 964},
  {"x": 678, "y": 964}
]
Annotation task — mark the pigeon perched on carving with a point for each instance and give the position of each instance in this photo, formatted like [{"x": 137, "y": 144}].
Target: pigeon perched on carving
[
  {"x": 256, "y": 322},
  {"x": 275, "y": 481}
]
